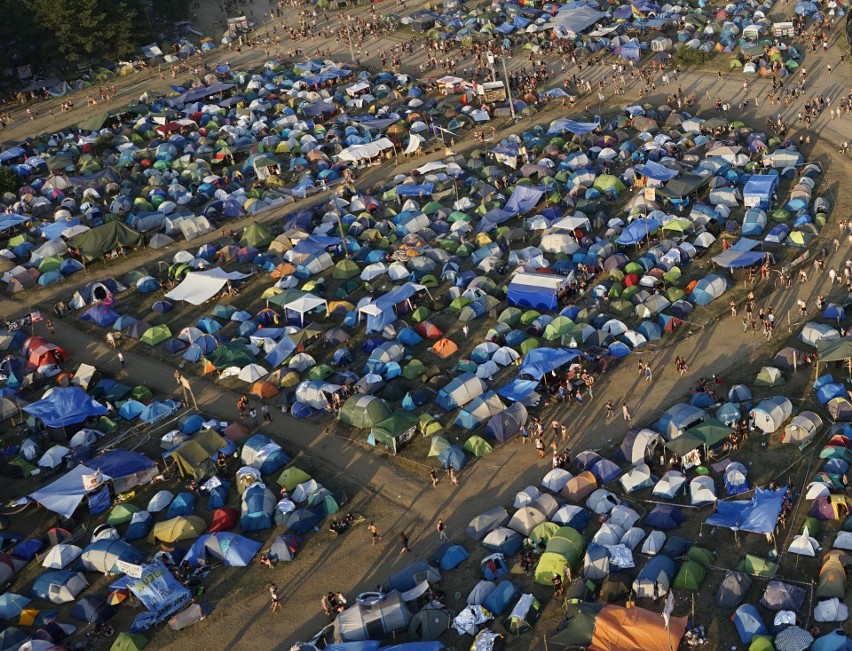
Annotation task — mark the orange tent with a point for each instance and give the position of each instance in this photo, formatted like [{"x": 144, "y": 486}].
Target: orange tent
[
  {"x": 628, "y": 629},
  {"x": 264, "y": 389},
  {"x": 443, "y": 348},
  {"x": 235, "y": 431},
  {"x": 283, "y": 269},
  {"x": 580, "y": 487}
]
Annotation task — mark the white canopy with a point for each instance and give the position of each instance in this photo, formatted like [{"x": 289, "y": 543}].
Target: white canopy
[
  {"x": 200, "y": 286},
  {"x": 305, "y": 304},
  {"x": 355, "y": 153}
]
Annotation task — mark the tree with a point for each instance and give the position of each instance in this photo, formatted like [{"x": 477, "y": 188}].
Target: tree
[
  {"x": 9, "y": 181},
  {"x": 86, "y": 30}
]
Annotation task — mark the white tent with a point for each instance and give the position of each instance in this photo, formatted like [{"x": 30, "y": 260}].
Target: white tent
[
  {"x": 608, "y": 534},
  {"x": 831, "y": 610},
  {"x": 771, "y": 413},
  {"x": 556, "y": 479},
  {"x": 802, "y": 428},
  {"x": 53, "y": 457},
  {"x": 654, "y": 543},
  {"x": 566, "y": 514},
  {"x": 623, "y": 516},
  {"x": 670, "y": 485},
  {"x": 843, "y": 541},
  {"x": 526, "y": 497},
  {"x": 198, "y": 287},
  {"x": 636, "y": 478},
  {"x": 804, "y": 545},
  {"x": 702, "y": 490},
  {"x": 601, "y": 501},
  {"x": 60, "y": 556},
  {"x": 358, "y": 153},
  {"x": 632, "y": 537}
]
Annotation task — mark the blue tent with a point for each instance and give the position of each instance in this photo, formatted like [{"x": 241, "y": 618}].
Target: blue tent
[
  {"x": 230, "y": 548},
  {"x": 301, "y": 521},
  {"x": 158, "y": 410},
  {"x": 411, "y": 575},
  {"x": 749, "y": 623},
  {"x": 100, "y": 314},
  {"x": 65, "y": 406},
  {"x": 12, "y": 604},
  {"x": 758, "y": 190},
  {"x": 131, "y": 409},
  {"x": 12, "y": 638},
  {"x": 452, "y": 456},
  {"x": 541, "y": 361},
  {"x": 27, "y": 549},
  {"x": 504, "y": 594},
  {"x": 140, "y": 524},
  {"x": 665, "y": 517},
  {"x": 217, "y": 496},
  {"x": 182, "y": 504},
  {"x": 92, "y": 609},
  {"x": 757, "y": 515},
  {"x": 453, "y": 557},
  {"x": 258, "y": 503},
  {"x": 261, "y": 453},
  {"x": 638, "y": 230},
  {"x": 493, "y": 567}
]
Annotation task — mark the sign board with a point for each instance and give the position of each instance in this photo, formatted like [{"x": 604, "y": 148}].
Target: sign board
[
  {"x": 130, "y": 569},
  {"x": 404, "y": 438},
  {"x": 650, "y": 194},
  {"x": 91, "y": 482},
  {"x": 494, "y": 91},
  {"x": 159, "y": 592},
  {"x": 784, "y": 28},
  {"x": 23, "y": 322}
]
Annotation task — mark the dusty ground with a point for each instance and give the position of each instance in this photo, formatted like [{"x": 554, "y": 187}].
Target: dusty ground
[{"x": 402, "y": 500}]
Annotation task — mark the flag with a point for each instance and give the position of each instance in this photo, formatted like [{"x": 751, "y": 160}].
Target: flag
[
  {"x": 669, "y": 609},
  {"x": 601, "y": 97},
  {"x": 35, "y": 317},
  {"x": 636, "y": 12}
]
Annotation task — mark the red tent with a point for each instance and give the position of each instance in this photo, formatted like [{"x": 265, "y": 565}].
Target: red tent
[{"x": 224, "y": 519}]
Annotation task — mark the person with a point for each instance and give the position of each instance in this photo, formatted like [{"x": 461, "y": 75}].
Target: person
[
  {"x": 264, "y": 409},
  {"x": 404, "y": 540},
  {"x": 285, "y": 494},
  {"x": 442, "y": 530},
  {"x": 273, "y": 595},
  {"x": 253, "y": 415},
  {"x": 451, "y": 471},
  {"x": 609, "y": 411},
  {"x": 433, "y": 475},
  {"x": 539, "y": 446},
  {"x": 327, "y": 606},
  {"x": 465, "y": 330},
  {"x": 648, "y": 374},
  {"x": 121, "y": 358},
  {"x": 374, "y": 533},
  {"x": 221, "y": 461},
  {"x": 266, "y": 561},
  {"x": 338, "y": 602},
  {"x": 564, "y": 433},
  {"x": 49, "y": 325},
  {"x": 558, "y": 589},
  {"x": 625, "y": 411}
]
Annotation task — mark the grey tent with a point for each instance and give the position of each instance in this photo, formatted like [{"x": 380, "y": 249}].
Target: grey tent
[
  {"x": 376, "y": 619},
  {"x": 485, "y": 523},
  {"x": 430, "y": 623},
  {"x": 782, "y": 596},
  {"x": 507, "y": 423}
]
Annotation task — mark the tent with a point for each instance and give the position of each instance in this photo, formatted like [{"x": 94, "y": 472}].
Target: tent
[
  {"x": 104, "y": 556},
  {"x": 364, "y": 411},
  {"x": 363, "y": 621},
  {"x": 233, "y": 550},
  {"x": 655, "y": 578},
  {"x": 65, "y": 406},
  {"x": 537, "y": 291},
  {"x": 197, "y": 287},
  {"x": 60, "y": 586},
  {"x": 194, "y": 457},
  {"x": 114, "y": 235},
  {"x": 178, "y": 528}
]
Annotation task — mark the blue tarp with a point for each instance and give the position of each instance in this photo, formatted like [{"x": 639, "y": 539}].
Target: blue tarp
[
  {"x": 410, "y": 190},
  {"x": 523, "y": 199},
  {"x": 757, "y": 515},
  {"x": 65, "y": 406},
  {"x": 517, "y": 389},
  {"x": 638, "y": 230},
  {"x": 575, "y": 17},
  {"x": 541, "y": 361},
  {"x": 759, "y": 188},
  {"x": 656, "y": 171},
  {"x": 121, "y": 463}
]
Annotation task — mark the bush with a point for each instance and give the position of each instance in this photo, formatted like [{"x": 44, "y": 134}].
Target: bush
[
  {"x": 9, "y": 181},
  {"x": 689, "y": 57}
]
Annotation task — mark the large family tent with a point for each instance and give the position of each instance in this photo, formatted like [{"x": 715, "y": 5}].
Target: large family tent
[{"x": 378, "y": 617}]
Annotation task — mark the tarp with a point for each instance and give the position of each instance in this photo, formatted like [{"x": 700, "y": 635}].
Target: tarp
[
  {"x": 757, "y": 515},
  {"x": 64, "y": 495},
  {"x": 524, "y": 198},
  {"x": 541, "y": 361},
  {"x": 656, "y": 171},
  {"x": 574, "y": 18},
  {"x": 65, "y": 406},
  {"x": 160, "y": 593},
  {"x": 561, "y": 125},
  {"x": 355, "y": 153},
  {"x": 95, "y": 242},
  {"x": 198, "y": 287},
  {"x": 535, "y": 290}
]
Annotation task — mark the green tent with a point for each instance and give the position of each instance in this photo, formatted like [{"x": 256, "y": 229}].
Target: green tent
[
  {"x": 477, "y": 446},
  {"x": 345, "y": 269},
  {"x": 420, "y": 314},
  {"x": 233, "y": 353},
  {"x": 568, "y": 543},
  {"x": 459, "y": 304},
  {"x": 121, "y": 514},
  {"x": 194, "y": 458},
  {"x": 157, "y": 335},
  {"x": 396, "y": 431},
  {"x": 690, "y": 576},
  {"x": 141, "y": 393},
  {"x": 813, "y": 526},
  {"x": 528, "y": 317},
  {"x": 429, "y": 425},
  {"x": 560, "y": 326},
  {"x": 414, "y": 369},
  {"x": 608, "y": 183},
  {"x": 96, "y": 242},
  {"x": 292, "y": 477},
  {"x": 362, "y": 411},
  {"x": 510, "y": 316},
  {"x": 701, "y": 555},
  {"x": 761, "y": 643},
  {"x": 757, "y": 566},
  {"x": 437, "y": 445},
  {"x": 518, "y": 623},
  {"x": 683, "y": 185},
  {"x": 711, "y": 431},
  {"x": 543, "y": 532},
  {"x": 256, "y": 235},
  {"x": 129, "y": 642},
  {"x": 578, "y": 629},
  {"x": 548, "y": 565}
]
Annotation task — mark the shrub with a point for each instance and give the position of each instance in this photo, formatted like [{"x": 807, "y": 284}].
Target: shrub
[{"x": 689, "y": 57}]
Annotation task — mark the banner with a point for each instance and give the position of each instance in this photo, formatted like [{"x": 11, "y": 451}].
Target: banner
[{"x": 159, "y": 592}]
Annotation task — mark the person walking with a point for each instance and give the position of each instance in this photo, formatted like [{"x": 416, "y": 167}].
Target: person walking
[
  {"x": 452, "y": 474},
  {"x": 625, "y": 411},
  {"x": 609, "y": 411},
  {"x": 442, "y": 530},
  {"x": 374, "y": 533},
  {"x": 273, "y": 595},
  {"x": 49, "y": 325},
  {"x": 648, "y": 374},
  {"x": 264, "y": 410},
  {"x": 404, "y": 540},
  {"x": 121, "y": 358},
  {"x": 253, "y": 416},
  {"x": 539, "y": 446},
  {"x": 564, "y": 433},
  {"x": 433, "y": 475}
]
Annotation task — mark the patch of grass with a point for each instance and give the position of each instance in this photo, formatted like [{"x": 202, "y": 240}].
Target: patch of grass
[{"x": 688, "y": 57}]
